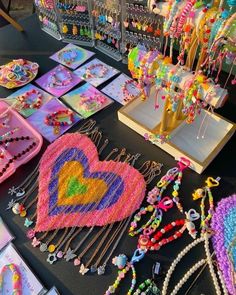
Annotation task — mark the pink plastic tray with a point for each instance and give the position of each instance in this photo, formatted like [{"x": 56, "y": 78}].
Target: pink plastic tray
[{"x": 25, "y": 129}]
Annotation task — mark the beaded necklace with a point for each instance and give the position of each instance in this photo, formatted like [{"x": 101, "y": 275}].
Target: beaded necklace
[
  {"x": 145, "y": 244},
  {"x": 206, "y": 233},
  {"x": 16, "y": 279},
  {"x": 20, "y": 154}
]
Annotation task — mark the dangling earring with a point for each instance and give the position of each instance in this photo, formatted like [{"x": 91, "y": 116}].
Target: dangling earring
[
  {"x": 65, "y": 29},
  {"x": 74, "y": 30}
]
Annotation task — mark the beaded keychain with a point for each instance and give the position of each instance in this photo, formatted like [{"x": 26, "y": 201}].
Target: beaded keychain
[
  {"x": 206, "y": 233},
  {"x": 16, "y": 279},
  {"x": 145, "y": 244},
  {"x": 157, "y": 204}
]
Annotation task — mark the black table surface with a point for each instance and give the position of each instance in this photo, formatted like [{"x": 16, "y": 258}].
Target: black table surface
[{"x": 35, "y": 45}]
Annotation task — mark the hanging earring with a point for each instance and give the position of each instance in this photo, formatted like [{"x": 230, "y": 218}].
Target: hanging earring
[
  {"x": 74, "y": 30},
  {"x": 65, "y": 29},
  {"x": 81, "y": 31}
]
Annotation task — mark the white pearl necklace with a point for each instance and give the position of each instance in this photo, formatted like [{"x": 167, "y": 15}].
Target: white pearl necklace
[{"x": 204, "y": 238}]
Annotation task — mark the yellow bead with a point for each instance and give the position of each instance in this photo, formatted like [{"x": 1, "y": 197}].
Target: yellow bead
[
  {"x": 51, "y": 248},
  {"x": 23, "y": 213},
  {"x": 150, "y": 208},
  {"x": 175, "y": 194},
  {"x": 64, "y": 29}
]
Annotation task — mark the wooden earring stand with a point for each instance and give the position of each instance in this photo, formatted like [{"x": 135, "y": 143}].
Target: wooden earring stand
[{"x": 9, "y": 19}]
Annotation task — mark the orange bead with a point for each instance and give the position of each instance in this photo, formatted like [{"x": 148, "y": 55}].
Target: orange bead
[{"x": 187, "y": 28}]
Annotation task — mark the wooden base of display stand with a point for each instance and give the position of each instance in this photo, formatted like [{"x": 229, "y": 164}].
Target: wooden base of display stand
[
  {"x": 9, "y": 19},
  {"x": 186, "y": 139}
]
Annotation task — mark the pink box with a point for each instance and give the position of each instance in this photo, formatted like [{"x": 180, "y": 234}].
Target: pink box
[{"x": 25, "y": 129}]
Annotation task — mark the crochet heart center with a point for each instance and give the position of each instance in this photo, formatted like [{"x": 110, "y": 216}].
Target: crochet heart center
[{"x": 75, "y": 189}]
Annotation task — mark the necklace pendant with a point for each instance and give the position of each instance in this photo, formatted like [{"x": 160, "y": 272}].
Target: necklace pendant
[
  {"x": 101, "y": 270},
  {"x": 93, "y": 268},
  {"x": 56, "y": 130}
]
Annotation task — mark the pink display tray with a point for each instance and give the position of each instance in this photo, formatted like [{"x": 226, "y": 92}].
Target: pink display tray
[{"x": 25, "y": 129}]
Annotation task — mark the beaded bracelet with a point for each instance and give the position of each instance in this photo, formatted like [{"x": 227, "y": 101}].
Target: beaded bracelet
[
  {"x": 147, "y": 287},
  {"x": 67, "y": 56},
  {"x": 16, "y": 279},
  {"x": 90, "y": 73},
  {"x": 146, "y": 244},
  {"x": 24, "y": 99},
  {"x": 92, "y": 103},
  {"x": 53, "y": 119},
  {"x": 128, "y": 96},
  {"x": 157, "y": 203},
  {"x": 54, "y": 82}
]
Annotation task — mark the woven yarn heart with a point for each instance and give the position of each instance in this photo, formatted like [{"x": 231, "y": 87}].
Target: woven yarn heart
[
  {"x": 76, "y": 189},
  {"x": 224, "y": 227}
]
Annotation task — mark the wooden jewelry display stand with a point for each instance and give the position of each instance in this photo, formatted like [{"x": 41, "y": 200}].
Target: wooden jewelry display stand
[{"x": 143, "y": 118}]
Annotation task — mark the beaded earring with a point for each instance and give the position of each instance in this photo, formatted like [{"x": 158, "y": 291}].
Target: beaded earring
[
  {"x": 74, "y": 30},
  {"x": 65, "y": 29}
]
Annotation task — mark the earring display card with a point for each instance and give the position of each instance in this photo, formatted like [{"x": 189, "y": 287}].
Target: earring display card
[
  {"x": 30, "y": 284},
  {"x": 24, "y": 99},
  {"x": 96, "y": 72},
  {"x": 53, "y": 291},
  {"x": 72, "y": 56},
  {"x": 58, "y": 125},
  {"x": 58, "y": 81},
  {"x": 123, "y": 89},
  {"x": 87, "y": 100},
  {"x": 5, "y": 236}
]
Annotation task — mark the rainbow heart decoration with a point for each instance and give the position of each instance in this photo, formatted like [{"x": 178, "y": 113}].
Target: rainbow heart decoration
[
  {"x": 76, "y": 189},
  {"x": 224, "y": 227}
]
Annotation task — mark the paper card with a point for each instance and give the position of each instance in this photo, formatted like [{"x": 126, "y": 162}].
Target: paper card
[
  {"x": 87, "y": 100},
  {"x": 96, "y": 72},
  {"x": 13, "y": 99},
  {"x": 37, "y": 120},
  {"x": 53, "y": 291},
  {"x": 115, "y": 89},
  {"x": 30, "y": 284},
  {"x": 72, "y": 56},
  {"x": 58, "y": 81},
  {"x": 5, "y": 235}
]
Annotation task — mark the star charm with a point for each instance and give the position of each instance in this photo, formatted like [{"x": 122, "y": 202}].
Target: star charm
[
  {"x": 28, "y": 222},
  {"x": 10, "y": 204},
  {"x": 83, "y": 270},
  {"x": 35, "y": 242},
  {"x": 12, "y": 191},
  {"x": 52, "y": 258},
  {"x": 69, "y": 255}
]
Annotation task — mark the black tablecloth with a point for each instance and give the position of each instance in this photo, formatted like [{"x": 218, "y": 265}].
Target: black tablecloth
[{"x": 37, "y": 46}]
